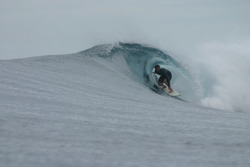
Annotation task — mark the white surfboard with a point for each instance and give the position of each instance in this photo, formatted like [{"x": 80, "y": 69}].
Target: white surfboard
[{"x": 174, "y": 93}]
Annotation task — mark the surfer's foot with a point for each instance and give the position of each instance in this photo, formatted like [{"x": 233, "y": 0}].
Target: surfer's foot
[{"x": 170, "y": 90}]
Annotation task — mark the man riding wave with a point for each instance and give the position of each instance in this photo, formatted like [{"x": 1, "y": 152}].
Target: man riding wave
[{"x": 165, "y": 77}]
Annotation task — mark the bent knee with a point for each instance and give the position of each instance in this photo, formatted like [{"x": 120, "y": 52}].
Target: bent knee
[{"x": 160, "y": 83}]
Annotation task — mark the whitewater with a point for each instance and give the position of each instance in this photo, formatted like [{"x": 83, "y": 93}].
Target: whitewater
[{"x": 100, "y": 107}]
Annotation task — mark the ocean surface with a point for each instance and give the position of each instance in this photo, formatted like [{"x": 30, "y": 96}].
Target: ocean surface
[{"x": 101, "y": 107}]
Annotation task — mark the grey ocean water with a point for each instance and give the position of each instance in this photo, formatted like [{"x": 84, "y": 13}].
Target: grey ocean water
[{"x": 97, "y": 108}]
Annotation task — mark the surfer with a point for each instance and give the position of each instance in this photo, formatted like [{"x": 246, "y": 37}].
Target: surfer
[{"x": 165, "y": 77}]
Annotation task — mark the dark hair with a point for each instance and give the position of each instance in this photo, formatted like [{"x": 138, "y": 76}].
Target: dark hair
[{"x": 157, "y": 66}]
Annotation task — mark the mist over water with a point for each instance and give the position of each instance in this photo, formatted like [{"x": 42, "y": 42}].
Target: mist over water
[{"x": 222, "y": 70}]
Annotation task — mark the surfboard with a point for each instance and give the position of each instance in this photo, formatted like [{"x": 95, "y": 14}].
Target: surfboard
[{"x": 174, "y": 93}]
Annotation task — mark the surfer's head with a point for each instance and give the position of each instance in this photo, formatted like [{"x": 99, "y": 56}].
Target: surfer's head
[{"x": 157, "y": 67}]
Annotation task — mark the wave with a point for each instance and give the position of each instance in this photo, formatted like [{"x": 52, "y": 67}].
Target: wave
[
  {"x": 141, "y": 60},
  {"x": 218, "y": 84}
]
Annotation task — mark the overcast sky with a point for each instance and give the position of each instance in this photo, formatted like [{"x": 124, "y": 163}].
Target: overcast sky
[{"x": 46, "y": 27}]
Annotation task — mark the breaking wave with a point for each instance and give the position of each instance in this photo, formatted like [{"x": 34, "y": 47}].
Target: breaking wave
[
  {"x": 210, "y": 85},
  {"x": 141, "y": 59}
]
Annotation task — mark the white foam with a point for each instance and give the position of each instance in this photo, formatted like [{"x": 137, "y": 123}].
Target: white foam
[{"x": 224, "y": 75}]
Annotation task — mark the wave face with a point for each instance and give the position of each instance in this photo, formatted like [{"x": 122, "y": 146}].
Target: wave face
[
  {"x": 135, "y": 62},
  {"x": 205, "y": 86},
  {"x": 141, "y": 59},
  {"x": 95, "y": 108}
]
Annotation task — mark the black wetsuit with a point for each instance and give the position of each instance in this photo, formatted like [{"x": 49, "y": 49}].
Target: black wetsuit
[{"x": 165, "y": 74}]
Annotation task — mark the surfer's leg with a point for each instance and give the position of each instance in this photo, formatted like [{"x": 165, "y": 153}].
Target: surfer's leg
[
  {"x": 161, "y": 81},
  {"x": 161, "y": 84},
  {"x": 168, "y": 84}
]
